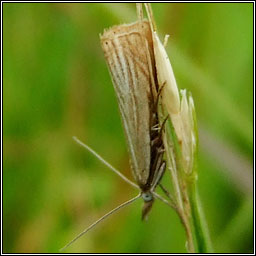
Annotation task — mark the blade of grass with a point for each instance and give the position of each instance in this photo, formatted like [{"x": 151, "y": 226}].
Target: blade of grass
[{"x": 239, "y": 230}]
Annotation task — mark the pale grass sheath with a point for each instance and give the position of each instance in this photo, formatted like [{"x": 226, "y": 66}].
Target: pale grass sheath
[
  {"x": 180, "y": 111},
  {"x": 166, "y": 77}
]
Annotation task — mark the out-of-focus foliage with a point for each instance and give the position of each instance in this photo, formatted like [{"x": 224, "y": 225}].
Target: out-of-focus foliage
[{"x": 56, "y": 85}]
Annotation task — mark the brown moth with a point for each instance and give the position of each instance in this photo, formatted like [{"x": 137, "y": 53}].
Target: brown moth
[{"x": 128, "y": 50}]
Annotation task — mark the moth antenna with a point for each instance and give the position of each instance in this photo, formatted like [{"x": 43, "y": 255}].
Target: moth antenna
[
  {"x": 166, "y": 40},
  {"x": 139, "y": 11},
  {"x": 105, "y": 162},
  {"x": 100, "y": 219},
  {"x": 150, "y": 16}
]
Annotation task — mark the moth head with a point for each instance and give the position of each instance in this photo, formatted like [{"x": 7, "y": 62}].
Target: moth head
[{"x": 148, "y": 202}]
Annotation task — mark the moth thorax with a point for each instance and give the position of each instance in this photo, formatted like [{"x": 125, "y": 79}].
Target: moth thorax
[{"x": 147, "y": 196}]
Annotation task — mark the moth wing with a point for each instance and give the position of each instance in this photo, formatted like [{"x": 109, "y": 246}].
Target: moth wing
[{"x": 127, "y": 49}]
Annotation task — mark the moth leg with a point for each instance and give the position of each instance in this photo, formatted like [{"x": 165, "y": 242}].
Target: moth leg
[
  {"x": 163, "y": 124},
  {"x": 171, "y": 204},
  {"x": 158, "y": 96},
  {"x": 159, "y": 175},
  {"x": 157, "y": 141},
  {"x": 157, "y": 181},
  {"x": 166, "y": 192},
  {"x": 155, "y": 127},
  {"x": 156, "y": 162}
]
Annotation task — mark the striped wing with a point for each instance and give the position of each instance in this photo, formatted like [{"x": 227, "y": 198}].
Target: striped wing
[{"x": 128, "y": 52}]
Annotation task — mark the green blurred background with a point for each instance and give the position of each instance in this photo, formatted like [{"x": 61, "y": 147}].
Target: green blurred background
[{"x": 56, "y": 85}]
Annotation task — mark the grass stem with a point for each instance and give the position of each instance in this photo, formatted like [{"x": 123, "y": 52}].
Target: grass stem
[{"x": 198, "y": 219}]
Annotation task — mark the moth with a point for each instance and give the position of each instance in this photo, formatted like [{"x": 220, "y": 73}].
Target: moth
[{"x": 129, "y": 53}]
